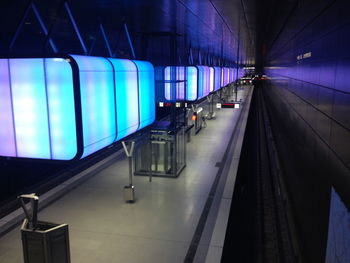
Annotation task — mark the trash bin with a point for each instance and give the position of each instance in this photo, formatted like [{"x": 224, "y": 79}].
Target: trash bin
[{"x": 43, "y": 242}]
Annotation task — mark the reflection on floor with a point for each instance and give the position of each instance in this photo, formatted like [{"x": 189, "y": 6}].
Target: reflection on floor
[{"x": 159, "y": 226}]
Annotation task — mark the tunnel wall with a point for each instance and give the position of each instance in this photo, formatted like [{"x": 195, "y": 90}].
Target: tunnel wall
[{"x": 308, "y": 94}]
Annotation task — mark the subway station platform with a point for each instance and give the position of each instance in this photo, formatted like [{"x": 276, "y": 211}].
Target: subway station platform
[{"x": 172, "y": 220}]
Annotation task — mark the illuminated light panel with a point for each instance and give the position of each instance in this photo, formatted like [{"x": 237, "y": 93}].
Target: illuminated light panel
[
  {"x": 146, "y": 93},
  {"x": 180, "y": 84},
  {"x": 200, "y": 82},
  {"x": 232, "y": 74},
  {"x": 225, "y": 76},
  {"x": 30, "y": 108},
  {"x": 167, "y": 86},
  {"x": 127, "y": 97},
  {"x": 222, "y": 77},
  {"x": 192, "y": 83},
  {"x": 228, "y": 76},
  {"x": 180, "y": 75},
  {"x": 60, "y": 94},
  {"x": 37, "y": 105},
  {"x": 206, "y": 80},
  {"x": 217, "y": 78},
  {"x": 211, "y": 79},
  {"x": 7, "y": 136},
  {"x": 97, "y": 102},
  {"x": 181, "y": 78}
]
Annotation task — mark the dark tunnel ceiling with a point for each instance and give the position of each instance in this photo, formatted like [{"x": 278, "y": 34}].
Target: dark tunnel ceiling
[{"x": 213, "y": 26}]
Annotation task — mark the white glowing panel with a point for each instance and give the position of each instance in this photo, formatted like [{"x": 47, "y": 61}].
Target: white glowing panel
[
  {"x": 192, "y": 83},
  {"x": 211, "y": 79},
  {"x": 7, "y": 129},
  {"x": 30, "y": 108}
]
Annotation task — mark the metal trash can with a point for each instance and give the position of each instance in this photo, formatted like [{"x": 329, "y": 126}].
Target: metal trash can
[
  {"x": 43, "y": 242},
  {"x": 129, "y": 193}
]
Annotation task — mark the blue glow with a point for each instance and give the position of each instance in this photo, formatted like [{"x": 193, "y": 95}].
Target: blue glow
[
  {"x": 232, "y": 73},
  {"x": 225, "y": 76},
  {"x": 37, "y": 104},
  {"x": 180, "y": 85},
  {"x": 187, "y": 83},
  {"x": 204, "y": 81},
  {"x": 97, "y": 102},
  {"x": 211, "y": 70},
  {"x": 146, "y": 93},
  {"x": 192, "y": 83},
  {"x": 217, "y": 78},
  {"x": 222, "y": 78},
  {"x": 60, "y": 94},
  {"x": 200, "y": 82},
  {"x": 206, "y": 86},
  {"x": 127, "y": 97},
  {"x": 180, "y": 78},
  {"x": 167, "y": 93},
  {"x": 7, "y": 136},
  {"x": 30, "y": 108}
]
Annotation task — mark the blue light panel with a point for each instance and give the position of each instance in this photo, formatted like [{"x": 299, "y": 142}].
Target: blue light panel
[
  {"x": 167, "y": 79},
  {"x": 30, "y": 108},
  {"x": 7, "y": 131},
  {"x": 217, "y": 78},
  {"x": 180, "y": 83},
  {"x": 97, "y": 102},
  {"x": 60, "y": 95},
  {"x": 206, "y": 76},
  {"x": 203, "y": 81},
  {"x": 127, "y": 96},
  {"x": 146, "y": 93},
  {"x": 37, "y": 104},
  {"x": 200, "y": 82},
  {"x": 192, "y": 83},
  {"x": 211, "y": 70},
  {"x": 232, "y": 74}
]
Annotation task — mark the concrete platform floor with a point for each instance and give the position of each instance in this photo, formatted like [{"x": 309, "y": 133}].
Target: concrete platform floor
[{"x": 159, "y": 226}]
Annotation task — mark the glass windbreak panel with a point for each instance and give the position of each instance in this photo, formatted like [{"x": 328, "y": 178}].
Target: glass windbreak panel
[
  {"x": 127, "y": 96},
  {"x": 192, "y": 85},
  {"x": 7, "y": 135},
  {"x": 146, "y": 93},
  {"x": 217, "y": 78},
  {"x": 60, "y": 95},
  {"x": 97, "y": 102},
  {"x": 30, "y": 108}
]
